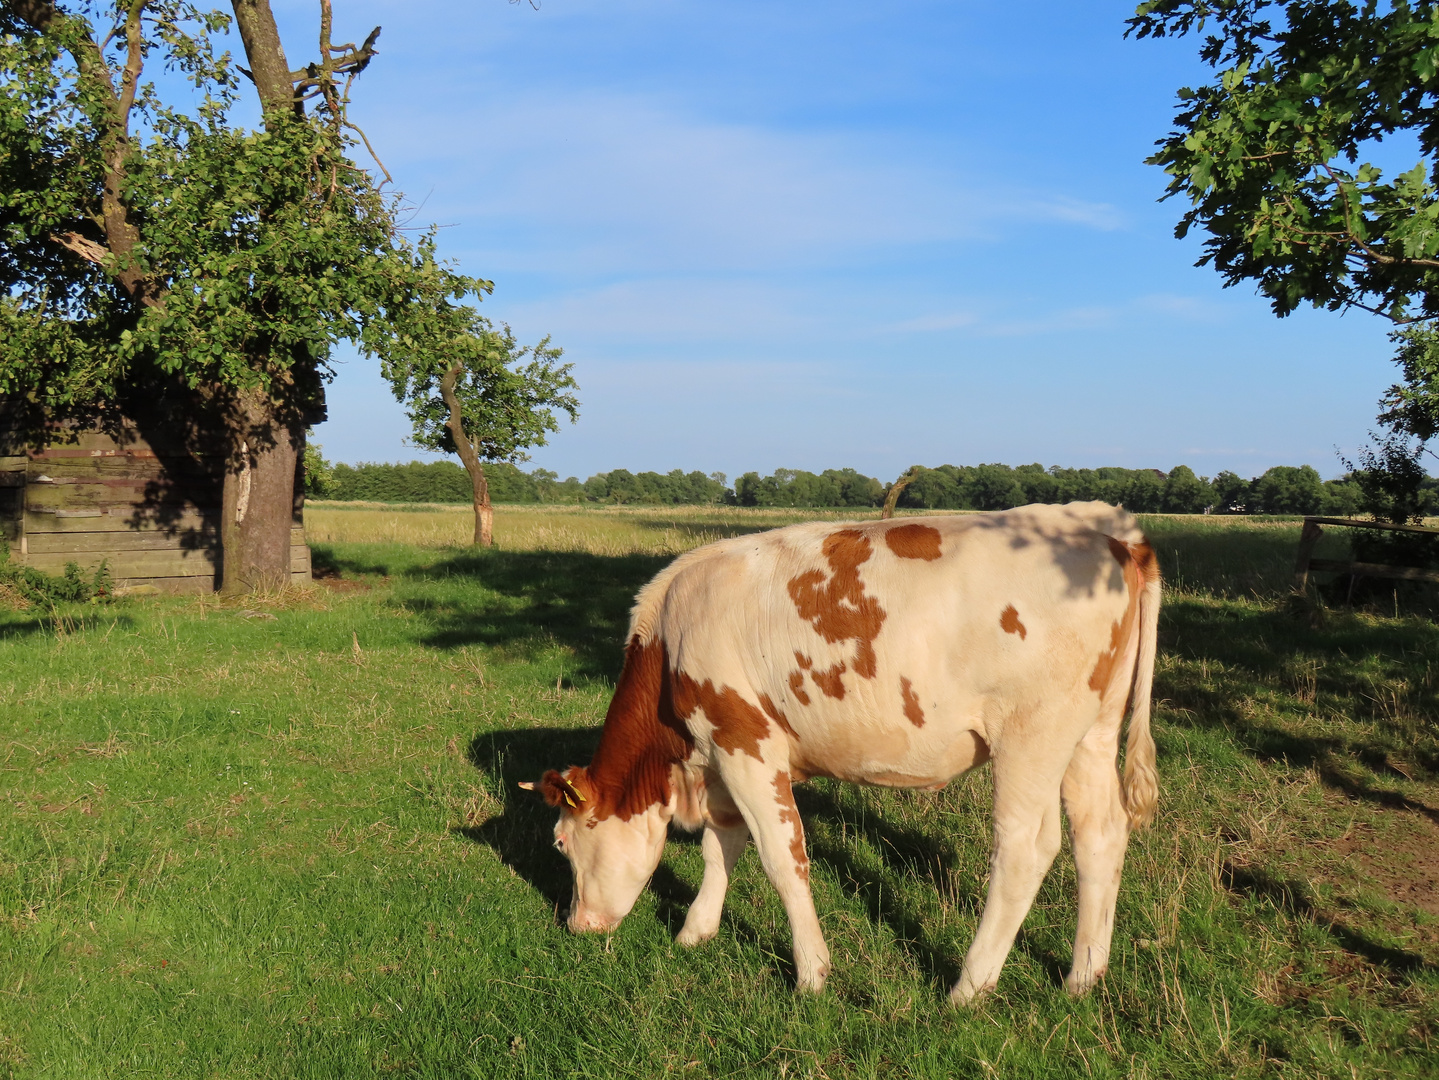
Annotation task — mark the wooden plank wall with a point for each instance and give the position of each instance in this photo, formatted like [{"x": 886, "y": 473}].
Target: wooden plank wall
[{"x": 153, "y": 515}]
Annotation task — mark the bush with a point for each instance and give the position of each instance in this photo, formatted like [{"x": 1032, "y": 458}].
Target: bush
[{"x": 71, "y": 587}]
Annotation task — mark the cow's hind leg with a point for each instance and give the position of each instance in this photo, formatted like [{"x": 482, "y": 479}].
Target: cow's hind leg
[
  {"x": 1026, "y": 840},
  {"x": 763, "y": 794},
  {"x": 722, "y": 849},
  {"x": 1099, "y": 833}
]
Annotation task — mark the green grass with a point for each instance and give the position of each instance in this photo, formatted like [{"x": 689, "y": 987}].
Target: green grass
[{"x": 244, "y": 845}]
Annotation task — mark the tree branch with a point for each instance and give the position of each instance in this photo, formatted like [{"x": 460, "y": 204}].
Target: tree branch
[
  {"x": 134, "y": 63},
  {"x": 39, "y": 14},
  {"x": 266, "y": 53},
  {"x": 121, "y": 235},
  {"x": 87, "y": 249}
]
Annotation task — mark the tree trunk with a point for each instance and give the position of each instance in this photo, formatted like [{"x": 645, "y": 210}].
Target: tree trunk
[
  {"x": 266, "y": 441},
  {"x": 266, "y": 53},
  {"x": 484, "y": 512},
  {"x": 469, "y": 456},
  {"x": 259, "y": 497}
]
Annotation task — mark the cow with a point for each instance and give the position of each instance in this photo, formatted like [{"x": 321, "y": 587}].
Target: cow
[{"x": 893, "y": 653}]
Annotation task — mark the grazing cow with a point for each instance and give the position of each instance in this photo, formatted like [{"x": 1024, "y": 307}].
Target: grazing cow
[{"x": 893, "y": 653}]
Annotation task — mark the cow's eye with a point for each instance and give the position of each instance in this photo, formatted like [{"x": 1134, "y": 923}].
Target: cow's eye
[{"x": 559, "y": 844}]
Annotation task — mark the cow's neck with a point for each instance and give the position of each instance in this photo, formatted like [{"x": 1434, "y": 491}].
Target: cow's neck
[{"x": 642, "y": 738}]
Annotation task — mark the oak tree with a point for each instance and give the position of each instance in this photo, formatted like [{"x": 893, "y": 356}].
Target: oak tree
[
  {"x": 153, "y": 249},
  {"x": 1276, "y": 157}
]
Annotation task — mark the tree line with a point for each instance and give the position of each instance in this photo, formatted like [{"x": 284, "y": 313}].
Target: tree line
[{"x": 1283, "y": 489}]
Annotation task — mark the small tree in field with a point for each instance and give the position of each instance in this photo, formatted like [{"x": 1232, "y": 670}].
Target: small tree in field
[{"x": 474, "y": 391}]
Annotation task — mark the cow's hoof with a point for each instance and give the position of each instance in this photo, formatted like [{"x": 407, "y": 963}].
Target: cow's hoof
[
  {"x": 966, "y": 994},
  {"x": 1078, "y": 984},
  {"x": 690, "y": 937},
  {"x": 812, "y": 982}
]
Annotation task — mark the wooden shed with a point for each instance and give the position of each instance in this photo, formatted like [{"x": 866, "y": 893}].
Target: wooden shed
[{"x": 146, "y": 504}]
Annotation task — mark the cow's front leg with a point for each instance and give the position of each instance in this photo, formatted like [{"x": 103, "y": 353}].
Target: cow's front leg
[
  {"x": 766, "y": 800},
  {"x": 722, "y": 849}
]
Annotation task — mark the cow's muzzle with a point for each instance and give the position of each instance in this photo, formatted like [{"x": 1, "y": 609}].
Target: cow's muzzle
[{"x": 587, "y": 922}]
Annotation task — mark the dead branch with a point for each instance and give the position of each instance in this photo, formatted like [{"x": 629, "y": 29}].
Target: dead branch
[{"x": 87, "y": 249}]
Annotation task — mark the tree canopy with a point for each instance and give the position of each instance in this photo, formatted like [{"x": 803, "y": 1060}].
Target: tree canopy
[
  {"x": 154, "y": 249},
  {"x": 1276, "y": 153}
]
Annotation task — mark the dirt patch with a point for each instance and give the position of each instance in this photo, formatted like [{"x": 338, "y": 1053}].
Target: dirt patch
[
  {"x": 1402, "y": 860},
  {"x": 329, "y": 578}
]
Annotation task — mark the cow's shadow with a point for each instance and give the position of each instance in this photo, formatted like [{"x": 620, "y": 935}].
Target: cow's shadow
[{"x": 521, "y": 836}]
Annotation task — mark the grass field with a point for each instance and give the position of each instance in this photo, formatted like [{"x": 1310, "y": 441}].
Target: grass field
[{"x": 281, "y": 837}]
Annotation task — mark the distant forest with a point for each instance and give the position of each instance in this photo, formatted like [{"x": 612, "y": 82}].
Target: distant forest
[{"x": 1283, "y": 489}]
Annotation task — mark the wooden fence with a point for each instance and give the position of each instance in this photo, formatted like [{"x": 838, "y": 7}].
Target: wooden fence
[{"x": 1313, "y": 526}]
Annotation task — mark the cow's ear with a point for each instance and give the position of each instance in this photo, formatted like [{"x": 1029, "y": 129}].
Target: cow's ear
[{"x": 559, "y": 791}]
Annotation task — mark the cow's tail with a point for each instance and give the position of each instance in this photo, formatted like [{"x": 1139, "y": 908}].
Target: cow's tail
[{"x": 1141, "y": 779}]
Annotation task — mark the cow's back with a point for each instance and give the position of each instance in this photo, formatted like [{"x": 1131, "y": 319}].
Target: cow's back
[{"x": 900, "y": 651}]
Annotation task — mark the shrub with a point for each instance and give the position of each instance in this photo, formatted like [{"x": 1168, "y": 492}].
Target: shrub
[{"x": 70, "y": 587}]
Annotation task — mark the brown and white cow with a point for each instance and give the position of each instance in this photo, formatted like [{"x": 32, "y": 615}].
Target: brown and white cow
[{"x": 892, "y": 653}]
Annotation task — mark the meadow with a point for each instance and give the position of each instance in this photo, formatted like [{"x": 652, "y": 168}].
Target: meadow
[{"x": 281, "y": 837}]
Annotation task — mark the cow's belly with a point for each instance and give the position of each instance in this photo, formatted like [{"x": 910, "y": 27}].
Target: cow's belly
[{"x": 890, "y": 754}]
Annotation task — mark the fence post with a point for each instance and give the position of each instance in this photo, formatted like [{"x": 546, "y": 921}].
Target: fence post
[{"x": 1307, "y": 539}]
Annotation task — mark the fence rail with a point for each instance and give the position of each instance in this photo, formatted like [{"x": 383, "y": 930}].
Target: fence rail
[{"x": 1313, "y": 526}]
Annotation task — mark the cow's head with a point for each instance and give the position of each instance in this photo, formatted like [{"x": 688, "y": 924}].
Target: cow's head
[{"x": 611, "y": 856}]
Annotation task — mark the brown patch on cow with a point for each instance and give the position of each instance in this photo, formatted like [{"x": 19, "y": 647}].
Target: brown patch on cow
[
  {"x": 738, "y": 725},
  {"x": 912, "y": 710},
  {"x": 1120, "y": 550},
  {"x": 914, "y": 542},
  {"x": 788, "y": 812},
  {"x": 1010, "y": 624},
  {"x": 1145, "y": 560},
  {"x": 726, "y": 819},
  {"x": 830, "y": 681},
  {"x": 796, "y": 687},
  {"x": 778, "y": 717},
  {"x": 1119, "y": 634},
  {"x": 642, "y": 738},
  {"x": 838, "y": 608}
]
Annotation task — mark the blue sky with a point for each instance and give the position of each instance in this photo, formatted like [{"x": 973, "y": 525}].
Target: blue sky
[{"x": 833, "y": 234}]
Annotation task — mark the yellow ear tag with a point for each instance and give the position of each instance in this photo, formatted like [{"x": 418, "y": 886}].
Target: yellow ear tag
[{"x": 569, "y": 801}]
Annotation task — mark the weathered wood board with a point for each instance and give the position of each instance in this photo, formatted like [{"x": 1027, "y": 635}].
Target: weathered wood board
[{"x": 148, "y": 509}]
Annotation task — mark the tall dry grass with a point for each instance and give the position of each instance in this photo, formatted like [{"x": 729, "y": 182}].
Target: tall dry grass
[{"x": 609, "y": 530}]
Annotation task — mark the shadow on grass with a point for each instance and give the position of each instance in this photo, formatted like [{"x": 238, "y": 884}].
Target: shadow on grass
[
  {"x": 24, "y": 624},
  {"x": 1293, "y": 897},
  {"x": 574, "y": 599},
  {"x": 521, "y": 835},
  {"x": 1353, "y": 691}
]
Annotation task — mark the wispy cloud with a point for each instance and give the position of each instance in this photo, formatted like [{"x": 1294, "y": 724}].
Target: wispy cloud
[
  {"x": 623, "y": 182},
  {"x": 977, "y": 319}
]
